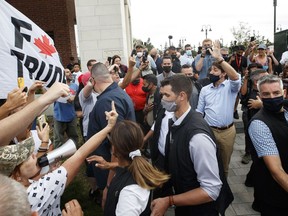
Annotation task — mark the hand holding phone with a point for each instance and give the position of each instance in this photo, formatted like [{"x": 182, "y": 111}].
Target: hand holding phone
[{"x": 42, "y": 121}]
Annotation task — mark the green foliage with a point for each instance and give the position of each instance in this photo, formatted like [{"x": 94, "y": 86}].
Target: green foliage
[{"x": 243, "y": 33}]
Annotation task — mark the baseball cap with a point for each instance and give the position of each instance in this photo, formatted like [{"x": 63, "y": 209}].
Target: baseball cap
[
  {"x": 13, "y": 155},
  {"x": 85, "y": 77},
  {"x": 261, "y": 46}
]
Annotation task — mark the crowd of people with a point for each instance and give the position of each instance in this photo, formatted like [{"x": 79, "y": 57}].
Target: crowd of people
[{"x": 158, "y": 133}]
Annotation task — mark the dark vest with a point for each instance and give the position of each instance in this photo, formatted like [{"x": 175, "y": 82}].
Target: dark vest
[
  {"x": 184, "y": 177},
  {"x": 266, "y": 188},
  {"x": 155, "y": 154},
  {"x": 121, "y": 179}
]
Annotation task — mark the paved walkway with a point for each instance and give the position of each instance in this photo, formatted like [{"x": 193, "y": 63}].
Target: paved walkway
[{"x": 243, "y": 196}]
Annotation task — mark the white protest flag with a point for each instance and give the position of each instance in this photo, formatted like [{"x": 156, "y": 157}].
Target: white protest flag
[{"x": 25, "y": 51}]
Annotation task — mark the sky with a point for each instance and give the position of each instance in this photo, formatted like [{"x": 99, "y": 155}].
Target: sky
[{"x": 183, "y": 19}]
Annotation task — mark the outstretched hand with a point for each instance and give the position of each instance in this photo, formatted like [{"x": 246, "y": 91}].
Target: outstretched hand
[
  {"x": 216, "y": 50},
  {"x": 56, "y": 91},
  {"x": 72, "y": 208},
  {"x": 111, "y": 116}
]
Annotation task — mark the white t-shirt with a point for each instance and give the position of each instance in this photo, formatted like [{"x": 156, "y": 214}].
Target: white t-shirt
[
  {"x": 132, "y": 201},
  {"x": 44, "y": 195}
]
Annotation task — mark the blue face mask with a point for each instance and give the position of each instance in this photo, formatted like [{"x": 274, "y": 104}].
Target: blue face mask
[
  {"x": 170, "y": 106},
  {"x": 273, "y": 104},
  {"x": 265, "y": 68},
  {"x": 189, "y": 52}
]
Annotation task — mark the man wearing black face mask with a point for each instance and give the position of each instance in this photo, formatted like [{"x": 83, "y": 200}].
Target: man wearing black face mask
[
  {"x": 176, "y": 64},
  {"x": 167, "y": 69},
  {"x": 239, "y": 62},
  {"x": 153, "y": 100},
  {"x": 268, "y": 131},
  {"x": 217, "y": 101}
]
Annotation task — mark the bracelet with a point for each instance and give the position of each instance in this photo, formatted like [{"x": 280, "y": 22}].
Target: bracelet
[
  {"x": 171, "y": 201},
  {"x": 44, "y": 142},
  {"x": 42, "y": 150},
  {"x": 107, "y": 186},
  {"x": 219, "y": 62}
]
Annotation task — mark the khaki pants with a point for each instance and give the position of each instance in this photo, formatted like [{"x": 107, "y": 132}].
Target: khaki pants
[{"x": 225, "y": 140}]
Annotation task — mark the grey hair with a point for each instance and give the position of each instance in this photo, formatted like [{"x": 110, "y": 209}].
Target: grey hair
[
  {"x": 269, "y": 79},
  {"x": 14, "y": 198},
  {"x": 100, "y": 72}
]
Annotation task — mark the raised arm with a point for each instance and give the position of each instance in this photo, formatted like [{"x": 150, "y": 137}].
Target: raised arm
[
  {"x": 230, "y": 71},
  {"x": 72, "y": 165},
  {"x": 16, "y": 123}
]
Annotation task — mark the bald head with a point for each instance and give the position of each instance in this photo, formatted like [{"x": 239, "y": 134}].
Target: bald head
[
  {"x": 100, "y": 72},
  {"x": 153, "y": 52}
]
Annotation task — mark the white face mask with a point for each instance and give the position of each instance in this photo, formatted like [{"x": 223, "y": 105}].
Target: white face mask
[
  {"x": 170, "y": 106},
  {"x": 139, "y": 54}
]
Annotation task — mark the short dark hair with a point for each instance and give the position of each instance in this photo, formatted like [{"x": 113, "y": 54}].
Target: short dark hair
[
  {"x": 172, "y": 48},
  {"x": 89, "y": 63},
  {"x": 185, "y": 66},
  {"x": 187, "y": 45},
  {"x": 179, "y": 83},
  {"x": 166, "y": 57},
  {"x": 76, "y": 64},
  {"x": 216, "y": 64},
  {"x": 151, "y": 78}
]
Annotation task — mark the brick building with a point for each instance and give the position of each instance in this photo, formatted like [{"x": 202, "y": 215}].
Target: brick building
[{"x": 57, "y": 18}]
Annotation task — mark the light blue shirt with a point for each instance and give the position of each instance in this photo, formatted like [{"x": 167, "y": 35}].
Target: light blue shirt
[
  {"x": 152, "y": 63},
  {"x": 262, "y": 138},
  {"x": 207, "y": 63},
  {"x": 218, "y": 102},
  {"x": 185, "y": 59}
]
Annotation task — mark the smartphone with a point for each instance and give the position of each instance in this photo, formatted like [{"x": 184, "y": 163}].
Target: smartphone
[
  {"x": 252, "y": 39},
  {"x": 42, "y": 121},
  {"x": 109, "y": 60}
]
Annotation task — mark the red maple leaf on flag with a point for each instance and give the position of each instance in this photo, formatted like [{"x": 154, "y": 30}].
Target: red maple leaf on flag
[{"x": 45, "y": 46}]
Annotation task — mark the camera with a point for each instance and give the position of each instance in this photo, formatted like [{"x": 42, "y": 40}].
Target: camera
[
  {"x": 115, "y": 69},
  {"x": 109, "y": 59},
  {"x": 144, "y": 57},
  {"x": 134, "y": 52},
  {"x": 207, "y": 51}
]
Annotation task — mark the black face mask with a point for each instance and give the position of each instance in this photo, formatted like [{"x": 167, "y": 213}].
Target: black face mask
[
  {"x": 136, "y": 82},
  {"x": 225, "y": 57},
  {"x": 273, "y": 104},
  {"x": 167, "y": 69},
  {"x": 173, "y": 56},
  {"x": 213, "y": 78},
  {"x": 145, "y": 89}
]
